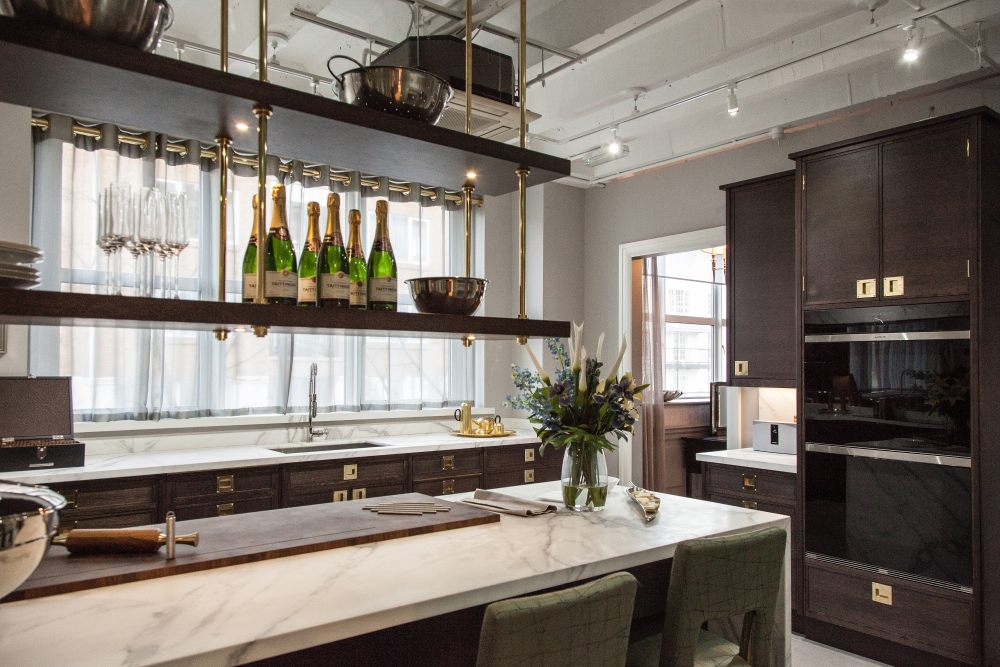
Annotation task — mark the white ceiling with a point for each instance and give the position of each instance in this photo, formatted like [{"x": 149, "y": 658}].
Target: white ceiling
[{"x": 793, "y": 61}]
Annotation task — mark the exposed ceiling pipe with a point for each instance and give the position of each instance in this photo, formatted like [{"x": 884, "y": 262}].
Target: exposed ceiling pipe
[
  {"x": 614, "y": 40},
  {"x": 493, "y": 29},
  {"x": 478, "y": 18},
  {"x": 978, "y": 48},
  {"x": 309, "y": 17}
]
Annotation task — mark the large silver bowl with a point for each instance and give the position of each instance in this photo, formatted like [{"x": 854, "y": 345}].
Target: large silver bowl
[
  {"x": 29, "y": 518},
  {"x": 447, "y": 295},
  {"x": 404, "y": 91},
  {"x": 138, "y": 23}
]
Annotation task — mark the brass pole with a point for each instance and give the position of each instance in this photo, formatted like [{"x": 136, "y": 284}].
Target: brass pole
[
  {"x": 262, "y": 46},
  {"x": 223, "y": 142},
  {"x": 522, "y": 67},
  {"x": 224, "y": 35},
  {"x": 467, "y": 190},
  {"x": 263, "y": 113},
  {"x": 468, "y": 66},
  {"x": 522, "y": 172}
]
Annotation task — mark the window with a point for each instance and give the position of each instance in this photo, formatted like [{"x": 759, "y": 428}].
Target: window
[{"x": 149, "y": 374}]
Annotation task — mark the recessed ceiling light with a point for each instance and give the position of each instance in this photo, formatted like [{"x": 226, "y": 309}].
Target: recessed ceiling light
[
  {"x": 242, "y": 127},
  {"x": 733, "y": 105}
]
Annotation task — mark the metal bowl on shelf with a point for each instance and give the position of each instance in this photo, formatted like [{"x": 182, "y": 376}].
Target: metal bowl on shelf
[
  {"x": 29, "y": 518},
  {"x": 403, "y": 91},
  {"x": 137, "y": 23},
  {"x": 671, "y": 394},
  {"x": 447, "y": 295}
]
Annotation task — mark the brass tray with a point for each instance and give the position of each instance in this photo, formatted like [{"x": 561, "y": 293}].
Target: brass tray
[{"x": 504, "y": 434}]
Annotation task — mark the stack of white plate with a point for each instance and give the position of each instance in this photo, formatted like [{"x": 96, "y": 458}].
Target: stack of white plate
[{"x": 16, "y": 265}]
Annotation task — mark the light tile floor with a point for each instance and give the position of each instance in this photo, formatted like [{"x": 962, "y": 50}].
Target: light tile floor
[{"x": 807, "y": 653}]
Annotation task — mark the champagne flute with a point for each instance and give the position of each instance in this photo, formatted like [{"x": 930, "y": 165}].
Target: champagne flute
[
  {"x": 148, "y": 214},
  {"x": 159, "y": 213},
  {"x": 105, "y": 239}
]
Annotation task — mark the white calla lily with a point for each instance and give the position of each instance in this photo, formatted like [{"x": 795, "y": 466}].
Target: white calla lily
[{"x": 538, "y": 364}]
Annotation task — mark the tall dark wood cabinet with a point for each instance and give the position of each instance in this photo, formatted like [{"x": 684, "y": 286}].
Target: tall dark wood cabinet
[
  {"x": 761, "y": 281},
  {"x": 909, "y": 217}
]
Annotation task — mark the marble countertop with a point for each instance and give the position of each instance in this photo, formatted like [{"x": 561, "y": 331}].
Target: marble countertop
[
  {"x": 258, "y": 610},
  {"x": 750, "y": 458},
  {"x": 106, "y": 466}
]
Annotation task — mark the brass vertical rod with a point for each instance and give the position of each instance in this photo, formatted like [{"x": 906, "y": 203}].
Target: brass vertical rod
[
  {"x": 223, "y": 142},
  {"x": 262, "y": 112},
  {"x": 468, "y": 68},
  {"x": 262, "y": 46},
  {"x": 522, "y": 68},
  {"x": 467, "y": 201},
  {"x": 224, "y": 35},
  {"x": 522, "y": 174}
]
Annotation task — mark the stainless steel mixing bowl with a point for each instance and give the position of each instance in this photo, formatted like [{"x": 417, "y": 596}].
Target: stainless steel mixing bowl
[
  {"x": 447, "y": 295},
  {"x": 138, "y": 23},
  {"x": 403, "y": 91},
  {"x": 29, "y": 518}
]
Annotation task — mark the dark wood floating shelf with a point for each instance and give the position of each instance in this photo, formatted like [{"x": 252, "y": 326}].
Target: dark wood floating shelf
[
  {"x": 68, "y": 73},
  {"x": 42, "y": 308}
]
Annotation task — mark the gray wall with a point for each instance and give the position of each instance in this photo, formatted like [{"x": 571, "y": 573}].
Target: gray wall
[{"x": 15, "y": 193}]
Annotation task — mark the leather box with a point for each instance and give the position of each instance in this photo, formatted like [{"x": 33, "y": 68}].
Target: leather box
[{"x": 36, "y": 425}]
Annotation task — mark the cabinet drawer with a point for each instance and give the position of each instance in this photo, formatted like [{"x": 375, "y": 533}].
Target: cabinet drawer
[
  {"x": 521, "y": 456},
  {"x": 318, "y": 478},
  {"x": 442, "y": 487},
  {"x": 926, "y": 617},
  {"x": 111, "y": 521},
  {"x": 446, "y": 463},
  {"x": 750, "y": 482},
  {"x": 87, "y": 499},
  {"x": 526, "y": 475},
  {"x": 223, "y": 508},
  {"x": 344, "y": 494},
  {"x": 239, "y": 483}
]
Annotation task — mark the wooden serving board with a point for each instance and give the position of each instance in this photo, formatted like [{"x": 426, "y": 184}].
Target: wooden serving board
[{"x": 245, "y": 538}]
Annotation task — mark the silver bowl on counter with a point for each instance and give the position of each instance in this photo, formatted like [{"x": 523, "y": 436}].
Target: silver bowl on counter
[
  {"x": 403, "y": 91},
  {"x": 447, "y": 295},
  {"x": 29, "y": 519},
  {"x": 137, "y": 23}
]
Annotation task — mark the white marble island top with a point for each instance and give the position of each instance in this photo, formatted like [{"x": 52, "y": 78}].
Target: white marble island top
[
  {"x": 249, "y": 612},
  {"x": 750, "y": 458}
]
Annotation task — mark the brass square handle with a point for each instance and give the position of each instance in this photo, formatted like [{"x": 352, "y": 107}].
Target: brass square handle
[
  {"x": 529, "y": 454},
  {"x": 224, "y": 509},
  {"x": 750, "y": 504},
  {"x": 447, "y": 486},
  {"x": 529, "y": 475},
  {"x": 359, "y": 494},
  {"x": 749, "y": 482},
  {"x": 339, "y": 496},
  {"x": 893, "y": 286},
  {"x": 225, "y": 484},
  {"x": 350, "y": 471},
  {"x": 867, "y": 288},
  {"x": 448, "y": 462},
  {"x": 882, "y": 593},
  {"x": 741, "y": 368},
  {"x": 72, "y": 499}
]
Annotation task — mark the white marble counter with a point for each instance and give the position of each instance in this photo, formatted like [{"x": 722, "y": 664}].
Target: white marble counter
[
  {"x": 105, "y": 466},
  {"x": 750, "y": 458},
  {"x": 249, "y": 612}
]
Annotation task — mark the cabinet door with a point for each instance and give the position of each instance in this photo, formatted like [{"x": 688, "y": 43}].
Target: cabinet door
[
  {"x": 928, "y": 210},
  {"x": 761, "y": 281},
  {"x": 840, "y": 215}
]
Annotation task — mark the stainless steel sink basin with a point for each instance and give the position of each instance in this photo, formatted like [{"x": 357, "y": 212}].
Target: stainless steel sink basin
[{"x": 305, "y": 449}]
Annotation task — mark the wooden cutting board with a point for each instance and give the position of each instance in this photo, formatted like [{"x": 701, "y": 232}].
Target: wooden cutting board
[{"x": 245, "y": 538}]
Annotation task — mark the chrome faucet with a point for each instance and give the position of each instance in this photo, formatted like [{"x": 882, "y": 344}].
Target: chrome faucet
[{"x": 310, "y": 431}]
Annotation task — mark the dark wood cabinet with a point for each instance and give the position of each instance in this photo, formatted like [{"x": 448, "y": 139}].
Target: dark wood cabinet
[
  {"x": 109, "y": 503},
  {"x": 512, "y": 465},
  {"x": 343, "y": 479},
  {"x": 761, "y": 281},
  {"x": 221, "y": 492}
]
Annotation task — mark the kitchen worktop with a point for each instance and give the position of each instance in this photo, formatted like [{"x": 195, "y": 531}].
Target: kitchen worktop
[
  {"x": 106, "y": 466},
  {"x": 751, "y": 458},
  {"x": 257, "y": 610}
]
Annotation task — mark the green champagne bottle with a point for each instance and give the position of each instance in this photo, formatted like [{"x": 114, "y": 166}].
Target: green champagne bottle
[
  {"x": 358, "y": 296},
  {"x": 281, "y": 277},
  {"x": 309, "y": 260},
  {"x": 250, "y": 260},
  {"x": 382, "y": 293},
  {"x": 334, "y": 271}
]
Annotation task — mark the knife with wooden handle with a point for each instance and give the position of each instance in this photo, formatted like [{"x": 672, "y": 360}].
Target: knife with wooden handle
[{"x": 118, "y": 540}]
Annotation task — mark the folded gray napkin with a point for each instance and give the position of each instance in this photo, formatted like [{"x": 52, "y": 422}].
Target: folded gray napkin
[{"x": 501, "y": 502}]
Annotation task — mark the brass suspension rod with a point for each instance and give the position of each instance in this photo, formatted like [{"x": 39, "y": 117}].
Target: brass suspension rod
[{"x": 522, "y": 172}]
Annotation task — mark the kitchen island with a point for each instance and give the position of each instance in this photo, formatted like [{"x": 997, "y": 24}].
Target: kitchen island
[{"x": 254, "y": 611}]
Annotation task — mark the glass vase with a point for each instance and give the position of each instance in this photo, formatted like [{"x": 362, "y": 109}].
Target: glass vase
[{"x": 584, "y": 478}]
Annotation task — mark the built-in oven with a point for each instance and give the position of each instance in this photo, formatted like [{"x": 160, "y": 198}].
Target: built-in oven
[{"x": 886, "y": 422}]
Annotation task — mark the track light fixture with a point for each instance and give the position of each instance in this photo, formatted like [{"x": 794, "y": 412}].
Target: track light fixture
[
  {"x": 615, "y": 145},
  {"x": 914, "y": 36},
  {"x": 733, "y": 103}
]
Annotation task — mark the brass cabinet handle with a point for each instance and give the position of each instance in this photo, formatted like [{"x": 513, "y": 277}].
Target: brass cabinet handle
[
  {"x": 350, "y": 472},
  {"x": 749, "y": 482},
  {"x": 224, "y": 509},
  {"x": 225, "y": 484},
  {"x": 339, "y": 496},
  {"x": 893, "y": 286},
  {"x": 447, "y": 486},
  {"x": 72, "y": 499},
  {"x": 750, "y": 504},
  {"x": 529, "y": 475},
  {"x": 359, "y": 494},
  {"x": 882, "y": 593},
  {"x": 867, "y": 288},
  {"x": 529, "y": 454},
  {"x": 741, "y": 368},
  {"x": 448, "y": 462}
]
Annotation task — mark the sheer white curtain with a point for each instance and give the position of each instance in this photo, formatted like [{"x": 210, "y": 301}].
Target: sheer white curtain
[{"x": 148, "y": 374}]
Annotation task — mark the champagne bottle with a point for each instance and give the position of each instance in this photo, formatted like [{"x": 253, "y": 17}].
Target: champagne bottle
[
  {"x": 309, "y": 259},
  {"x": 334, "y": 272},
  {"x": 358, "y": 293},
  {"x": 250, "y": 260},
  {"x": 281, "y": 284},
  {"x": 381, "y": 263}
]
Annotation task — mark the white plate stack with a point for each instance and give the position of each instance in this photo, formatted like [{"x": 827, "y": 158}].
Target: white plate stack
[{"x": 16, "y": 265}]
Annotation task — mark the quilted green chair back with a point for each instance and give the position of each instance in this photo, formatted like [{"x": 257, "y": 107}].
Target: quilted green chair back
[
  {"x": 720, "y": 577},
  {"x": 574, "y": 627}
]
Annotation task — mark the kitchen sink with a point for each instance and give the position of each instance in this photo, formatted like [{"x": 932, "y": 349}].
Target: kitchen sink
[{"x": 305, "y": 449}]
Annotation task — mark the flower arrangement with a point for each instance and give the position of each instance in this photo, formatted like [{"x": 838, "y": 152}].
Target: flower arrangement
[{"x": 577, "y": 408}]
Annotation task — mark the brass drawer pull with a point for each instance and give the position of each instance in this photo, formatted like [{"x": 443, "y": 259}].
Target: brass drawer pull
[
  {"x": 741, "y": 368},
  {"x": 893, "y": 286},
  {"x": 72, "y": 499},
  {"x": 529, "y": 455},
  {"x": 447, "y": 486},
  {"x": 225, "y": 484},
  {"x": 749, "y": 482},
  {"x": 359, "y": 494},
  {"x": 350, "y": 471},
  {"x": 750, "y": 504},
  {"x": 224, "y": 509},
  {"x": 866, "y": 289},
  {"x": 529, "y": 475},
  {"x": 448, "y": 462},
  {"x": 339, "y": 496},
  {"x": 882, "y": 593}
]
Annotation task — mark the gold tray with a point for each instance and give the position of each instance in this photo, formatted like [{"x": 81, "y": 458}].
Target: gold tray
[{"x": 504, "y": 434}]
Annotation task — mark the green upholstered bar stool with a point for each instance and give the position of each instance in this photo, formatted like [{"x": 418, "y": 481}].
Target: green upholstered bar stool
[
  {"x": 574, "y": 627},
  {"x": 712, "y": 579}
]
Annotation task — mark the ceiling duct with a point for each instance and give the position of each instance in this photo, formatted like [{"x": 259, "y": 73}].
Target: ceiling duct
[{"x": 490, "y": 119}]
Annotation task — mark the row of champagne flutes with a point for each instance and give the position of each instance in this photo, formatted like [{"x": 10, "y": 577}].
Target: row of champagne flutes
[{"x": 149, "y": 224}]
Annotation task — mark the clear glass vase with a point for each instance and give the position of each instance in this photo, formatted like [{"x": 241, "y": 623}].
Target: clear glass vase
[{"x": 584, "y": 478}]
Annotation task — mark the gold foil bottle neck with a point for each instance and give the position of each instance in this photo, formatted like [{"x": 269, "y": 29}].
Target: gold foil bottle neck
[
  {"x": 254, "y": 203},
  {"x": 333, "y": 200},
  {"x": 278, "y": 193},
  {"x": 354, "y": 217},
  {"x": 312, "y": 208},
  {"x": 381, "y": 209}
]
